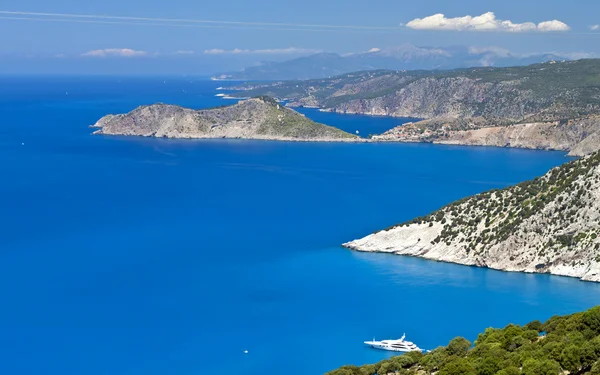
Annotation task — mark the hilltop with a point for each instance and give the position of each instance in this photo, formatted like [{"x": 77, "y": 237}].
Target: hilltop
[
  {"x": 256, "y": 118},
  {"x": 547, "y": 225},
  {"x": 560, "y": 100}
]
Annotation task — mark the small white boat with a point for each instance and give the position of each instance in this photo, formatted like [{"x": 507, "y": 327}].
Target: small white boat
[{"x": 394, "y": 345}]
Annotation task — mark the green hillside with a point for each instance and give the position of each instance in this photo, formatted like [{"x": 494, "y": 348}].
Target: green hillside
[{"x": 562, "y": 345}]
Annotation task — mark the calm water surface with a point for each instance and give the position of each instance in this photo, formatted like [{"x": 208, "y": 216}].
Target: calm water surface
[{"x": 150, "y": 256}]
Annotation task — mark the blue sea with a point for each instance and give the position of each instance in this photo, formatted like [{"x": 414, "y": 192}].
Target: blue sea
[{"x": 123, "y": 255}]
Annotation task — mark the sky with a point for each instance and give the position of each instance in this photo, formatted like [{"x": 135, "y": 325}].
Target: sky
[{"x": 205, "y": 37}]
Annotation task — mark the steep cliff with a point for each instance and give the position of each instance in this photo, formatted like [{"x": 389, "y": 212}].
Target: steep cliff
[
  {"x": 257, "y": 118},
  {"x": 548, "y": 225}
]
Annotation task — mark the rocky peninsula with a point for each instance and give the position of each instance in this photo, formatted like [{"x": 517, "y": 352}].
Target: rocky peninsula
[
  {"x": 547, "y": 225},
  {"x": 554, "y": 105},
  {"x": 255, "y": 118}
]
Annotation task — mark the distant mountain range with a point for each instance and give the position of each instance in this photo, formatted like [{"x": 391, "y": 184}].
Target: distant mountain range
[{"x": 404, "y": 57}]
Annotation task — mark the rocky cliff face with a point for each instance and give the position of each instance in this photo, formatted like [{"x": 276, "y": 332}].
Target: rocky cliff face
[
  {"x": 453, "y": 97},
  {"x": 548, "y": 225},
  {"x": 580, "y": 137},
  {"x": 257, "y": 118}
]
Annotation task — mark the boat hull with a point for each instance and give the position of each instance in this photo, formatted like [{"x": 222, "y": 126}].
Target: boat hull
[{"x": 391, "y": 349}]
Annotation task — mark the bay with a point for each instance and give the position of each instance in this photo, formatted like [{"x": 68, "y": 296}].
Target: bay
[{"x": 127, "y": 255}]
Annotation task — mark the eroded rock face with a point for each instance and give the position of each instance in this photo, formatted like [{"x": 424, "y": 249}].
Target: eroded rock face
[
  {"x": 453, "y": 97},
  {"x": 549, "y": 225},
  {"x": 581, "y": 136},
  {"x": 259, "y": 118}
]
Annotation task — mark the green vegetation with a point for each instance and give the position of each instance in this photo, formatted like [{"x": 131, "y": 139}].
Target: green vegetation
[
  {"x": 285, "y": 122},
  {"x": 320, "y": 88},
  {"x": 486, "y": 219},
  {"x": 554, "y": 91},
  {"x": 562, "y": 345}
]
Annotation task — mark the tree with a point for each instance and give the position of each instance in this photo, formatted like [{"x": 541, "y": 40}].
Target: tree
[
  {"x": 459, "y": 346},
  {"x": 543, "y": 367},
  {"x": 458, "y": 366},
  {"x": 588, "y": 355},
  {"x": 368, "y": 370},
  {"x": 531, "y": 335},
  {"x": 570, "y": 358},
  {"x": 553, "y": 350},
  {"x": 489, "y": 366},
  {"x": 346, "y": 370},
  {"x": 591, "y": 318},
  {"x": 510, "y": 370},
  {"x": 536, "y": 325},
  {"x": 434, "y": 359},
  {"x": 407, "y": 360},
  {"x": 511, "y": 335},
  {"x": 388, "y": 367},
  {"x": 595, "y": 369},
  {"x": 490, "y": 335}
]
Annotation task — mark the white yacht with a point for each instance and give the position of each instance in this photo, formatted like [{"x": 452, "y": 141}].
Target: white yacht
[{"x": 394, "y": 345}]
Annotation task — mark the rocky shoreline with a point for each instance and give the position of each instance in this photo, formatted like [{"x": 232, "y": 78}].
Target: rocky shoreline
[
  {"x": 578, "y": 137},
  {"x": 548, "y": 225}
]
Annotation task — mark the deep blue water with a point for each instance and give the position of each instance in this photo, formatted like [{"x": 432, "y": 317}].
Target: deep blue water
[
  {"x": 149, "y": 256},
  {"x": 364, "y": 125}
]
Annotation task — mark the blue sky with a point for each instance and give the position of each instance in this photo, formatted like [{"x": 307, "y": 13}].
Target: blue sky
[{"x": 50, "y": 43}]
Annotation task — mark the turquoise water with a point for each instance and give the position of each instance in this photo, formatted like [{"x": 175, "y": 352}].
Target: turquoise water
[{"x": 150, "y": 256}]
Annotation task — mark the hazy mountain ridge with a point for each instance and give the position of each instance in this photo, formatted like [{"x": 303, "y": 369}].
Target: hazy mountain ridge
[{"x": 404, "y": 57}]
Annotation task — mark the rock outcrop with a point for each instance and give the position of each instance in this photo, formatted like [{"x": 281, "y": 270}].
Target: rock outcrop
[
  {"x": 256, "y": 118},
  {"x": 548, "y": 225},
  {"x": 580, "y": 137}
]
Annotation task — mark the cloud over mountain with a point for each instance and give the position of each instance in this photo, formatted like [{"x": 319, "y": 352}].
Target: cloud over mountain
[{"x": 484, "y": 22}]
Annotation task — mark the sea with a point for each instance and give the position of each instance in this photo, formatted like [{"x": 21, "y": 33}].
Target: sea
[{"x": 127, "y": 255}]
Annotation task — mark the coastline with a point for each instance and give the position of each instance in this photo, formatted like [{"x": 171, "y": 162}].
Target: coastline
[
  {"x": 520, "y": 228},
  {"x": 255, "y": 138},
  {"x": 467, "y": 264}
]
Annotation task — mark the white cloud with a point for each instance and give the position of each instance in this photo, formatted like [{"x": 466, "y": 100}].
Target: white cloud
[
  {"x": 276, "y": 51},
  {"x": 214, "y": 51},
  {"x": 484, "y": 22},
  {"x": 373, "y": 50},
  {"x": 185, "y": 52},
  {"x": 553, "y": 25},
  {"x": 595, "y": 27},
  {"x": 114, "y": 52}
]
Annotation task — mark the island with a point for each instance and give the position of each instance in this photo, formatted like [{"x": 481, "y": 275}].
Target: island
[
  {"x": 255, "y": 118},
  {"x": 553, "y": 105},
  {"x": 548, "y": 225},
  {"x": 562, "y": 345}
]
